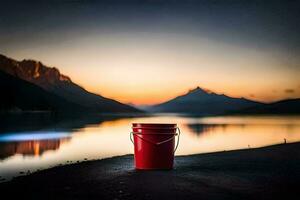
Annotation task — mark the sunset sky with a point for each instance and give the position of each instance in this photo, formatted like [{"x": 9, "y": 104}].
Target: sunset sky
[{"x": 146, "y": 52}]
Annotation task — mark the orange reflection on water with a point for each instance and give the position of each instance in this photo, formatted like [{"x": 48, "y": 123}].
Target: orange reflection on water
[
  {"x": 212, "y": 138},
  {"x": 30, "y": 148}
]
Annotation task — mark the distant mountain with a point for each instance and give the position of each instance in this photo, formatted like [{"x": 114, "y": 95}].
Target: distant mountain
[
  {"x": 289, "y": 106},
  {"x": 20, "y": 95},
  {"x": 201, "y": 101},
  {"x": 51, "y": 80}
]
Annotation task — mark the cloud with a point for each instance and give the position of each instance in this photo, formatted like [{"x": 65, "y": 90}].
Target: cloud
[{"x": 289, "y": 90}]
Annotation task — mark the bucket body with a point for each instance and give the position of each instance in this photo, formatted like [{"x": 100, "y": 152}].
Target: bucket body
[{"x": 154, "y": 145}]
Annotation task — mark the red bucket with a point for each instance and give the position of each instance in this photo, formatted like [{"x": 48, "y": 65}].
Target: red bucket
[{"x": 154, "y": 145}]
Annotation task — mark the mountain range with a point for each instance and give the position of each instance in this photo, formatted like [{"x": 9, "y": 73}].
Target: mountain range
[
  {"x": 30, "y": 85},
  {"x": 287, "y": 106},
  {"x": 202, "y": 101},
  {"x": 205, "y": 102}
]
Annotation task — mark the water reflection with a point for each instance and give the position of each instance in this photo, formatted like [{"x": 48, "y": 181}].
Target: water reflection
[
  {"x": 220, "y": 137},
  {"x": 34, "y": 142},
  {"x": 202, "y": 128},
  {"x": 30, "y": 148}
]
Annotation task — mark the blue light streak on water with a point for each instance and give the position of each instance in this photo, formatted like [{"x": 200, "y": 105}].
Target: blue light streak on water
[{"x": 28, "y": 136}]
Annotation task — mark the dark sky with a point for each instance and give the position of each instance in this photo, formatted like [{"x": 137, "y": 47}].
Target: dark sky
[{"x": 271, "y": 23}]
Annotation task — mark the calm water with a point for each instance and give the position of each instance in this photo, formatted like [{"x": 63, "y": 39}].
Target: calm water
[{"x": 42, "y": 141}]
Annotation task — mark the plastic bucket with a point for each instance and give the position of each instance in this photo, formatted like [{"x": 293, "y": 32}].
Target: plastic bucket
[{"x": 154, "y": 145}]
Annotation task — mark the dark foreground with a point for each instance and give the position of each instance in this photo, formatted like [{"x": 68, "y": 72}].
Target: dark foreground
[{"x": 265, "y": 173}]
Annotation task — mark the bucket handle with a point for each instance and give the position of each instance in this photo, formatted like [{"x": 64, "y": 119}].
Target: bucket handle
[{"x": 158, "y": 143}]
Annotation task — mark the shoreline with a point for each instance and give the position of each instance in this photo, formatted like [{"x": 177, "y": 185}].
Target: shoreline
[{"x": 258, "y": 173}]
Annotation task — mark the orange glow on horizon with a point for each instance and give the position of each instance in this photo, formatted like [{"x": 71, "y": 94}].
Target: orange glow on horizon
[
  {"x": 138, "y": 69},
  {"x": 147, "y": 97}
]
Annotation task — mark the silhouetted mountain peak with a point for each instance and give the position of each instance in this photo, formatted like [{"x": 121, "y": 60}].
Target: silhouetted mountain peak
[
  {"x": 51, "y": 80},
  {"x": 199, "y": 90},
  {"x": 33, "y": 71},
  {"x": 203, "y": 101},
  {"x": 36, "y": 70}
]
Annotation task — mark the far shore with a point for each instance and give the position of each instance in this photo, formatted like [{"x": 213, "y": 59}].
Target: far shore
[{"x": 264, "y": 173}]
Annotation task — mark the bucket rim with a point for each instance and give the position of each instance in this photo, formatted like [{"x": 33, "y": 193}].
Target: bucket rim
[
  {"x": 139, "y": 133},
  {"x": 154, "y": 125}
]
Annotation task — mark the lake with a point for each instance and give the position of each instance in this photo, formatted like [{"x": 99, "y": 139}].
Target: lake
[{"x": 32, "y": 142}]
